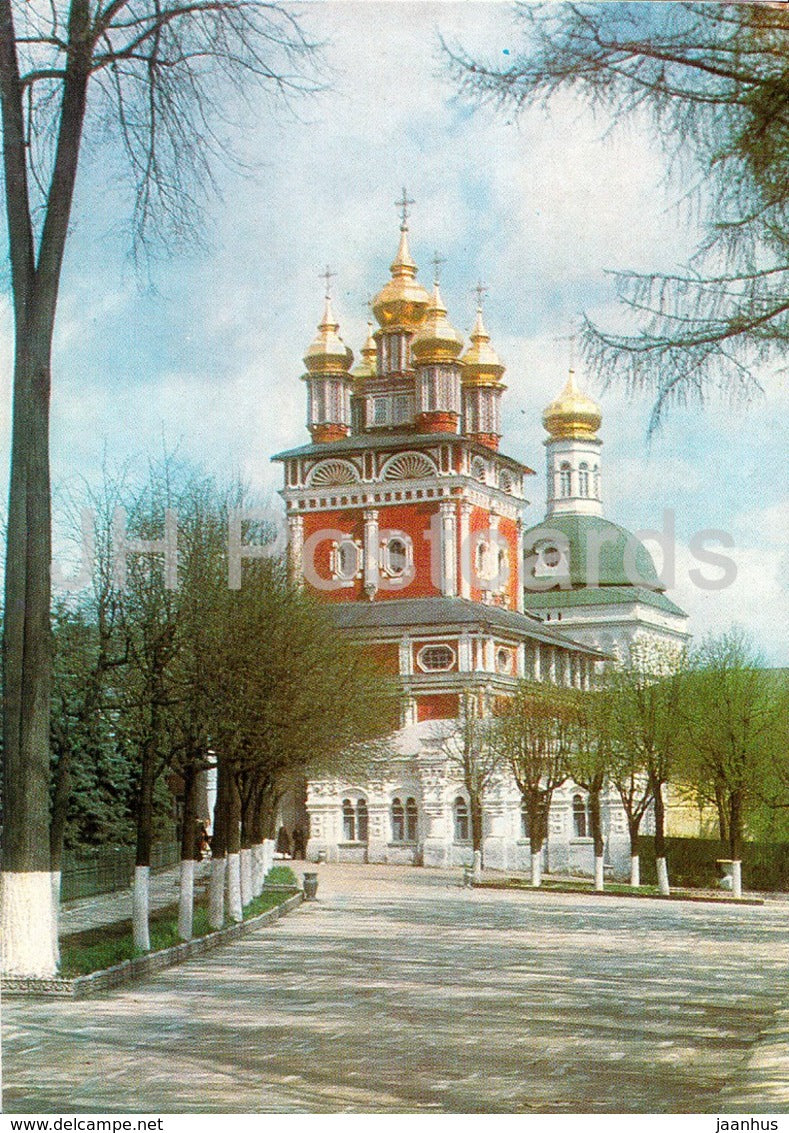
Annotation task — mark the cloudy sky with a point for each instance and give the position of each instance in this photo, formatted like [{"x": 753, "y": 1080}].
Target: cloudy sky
[{"x": 206, "y": 353}]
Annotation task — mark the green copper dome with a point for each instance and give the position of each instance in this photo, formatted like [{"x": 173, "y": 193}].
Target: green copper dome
[{"x": 601, "y": 553}]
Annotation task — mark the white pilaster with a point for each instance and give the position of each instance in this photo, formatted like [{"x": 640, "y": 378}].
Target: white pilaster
[
  {"x": 371, "y": 577},
  {"x": 448, "y": 549},
  {"x": 465, "y": 549}
]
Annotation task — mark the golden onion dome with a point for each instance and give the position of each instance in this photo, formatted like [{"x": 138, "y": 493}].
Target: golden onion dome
[
  {"x": 367, "y": 367},
  {"x": 402, "y": 302},
  {"x": 327, "y": 353},
  {"x": 436, "y": 340},
  {"x": 572, "y": 413},
  {"x": 481, "y": 364}
]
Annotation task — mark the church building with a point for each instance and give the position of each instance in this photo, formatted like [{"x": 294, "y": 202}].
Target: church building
[{"x": 407, "y": 517}]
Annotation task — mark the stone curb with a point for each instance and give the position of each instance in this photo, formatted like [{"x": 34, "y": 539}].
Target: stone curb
[
  {"x": 679, "y": 895},
  {"x": 83, "y": 987}
]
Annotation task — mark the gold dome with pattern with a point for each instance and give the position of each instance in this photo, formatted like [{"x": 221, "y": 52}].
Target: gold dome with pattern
[
  {"x": 481, "y": 364},
  {"x": 328, "y": 354},
  {"x": 402, "y": 302},
  {"x": 436, "y": 340},
  {"x": 367, "y": 367},
  {"x": 572, "y": 413}
]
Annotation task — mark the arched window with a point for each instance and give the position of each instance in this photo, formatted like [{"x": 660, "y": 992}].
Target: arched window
[
  {"x": 525, "y": 828},
  {"x": 583, "y": 480},
  {"x": 565, "y": 482},
  {"x": 461, "y": 820},
  {"x": 361, "y": 821},
  {"x": 396, "y": 557},
  {"x": 398, "y": 821},
  {"x": 411, "y": 818},
  {"x": 348, "y": 821},
  {"x": 579, "y": 816}
]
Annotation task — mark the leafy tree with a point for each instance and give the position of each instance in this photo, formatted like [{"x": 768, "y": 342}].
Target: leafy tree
[
  {"x": 590, "y": 759},
  {"x": 152, "y": 78},
  {"x": 714, "y": 80},
  {"x": 645, "y": 696},
  {"x": 533, "y": 735},
  {"x": 734, "y": 717}
]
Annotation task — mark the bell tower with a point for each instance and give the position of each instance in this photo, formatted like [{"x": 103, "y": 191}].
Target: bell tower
[{"x": 573, "y": 453}]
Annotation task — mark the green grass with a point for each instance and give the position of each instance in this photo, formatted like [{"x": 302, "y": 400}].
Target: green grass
[
  {"x": 84, "y": 952},
  {"x": 281, "y": 875}
]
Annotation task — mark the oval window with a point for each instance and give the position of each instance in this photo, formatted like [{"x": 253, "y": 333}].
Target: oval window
[{"x": 436, "y": 658}]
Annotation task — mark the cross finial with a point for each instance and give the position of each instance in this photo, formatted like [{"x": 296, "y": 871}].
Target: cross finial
[
  {"x": 437, "y": 261},
  {"x": 328, "y": 275},
  {"x": 480, "y": 290},
  {"x": 403, "y": 206}
]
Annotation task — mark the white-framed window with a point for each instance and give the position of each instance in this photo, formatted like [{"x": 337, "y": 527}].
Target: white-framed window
[
  {"x": 462, "y": 820},
  {"x": 401, "y": 408},
  {"x": 397, "y": 556},
  {"x": 525, "y": 827},
  {"x": 583, "y": 479},
  {"x": 355, "y": 822},
  {"x": 405, "y": 820},
  {"x": 380, "y": 411},
  {"x": 565, "y": 479},
  {"x": 436, "y": 658},
  {"x": 504, "y": 662},
  {"x": 479, "y": 469},
  {"x": 580, "y": 817},
  {"x": 345, "y": 560}
]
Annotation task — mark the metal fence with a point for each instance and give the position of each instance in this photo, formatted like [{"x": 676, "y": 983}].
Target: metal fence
[{"x": 106, "y": 869}]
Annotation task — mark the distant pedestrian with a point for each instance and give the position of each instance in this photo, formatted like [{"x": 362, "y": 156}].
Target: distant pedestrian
[
  {"x": 283, "y": 842},
  {"x": 299, "y": 843}
]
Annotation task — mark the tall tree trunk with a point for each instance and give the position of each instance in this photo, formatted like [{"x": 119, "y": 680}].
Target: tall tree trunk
[
  {"x": 189, "y": 854},
  {"x": 735, "y": 841},
  {"x": 57, "y": 829},
  {"x": 596, "y": 820},
  {"x": 216, "y": 903},
  {"x": 234, "y": 904},
  {"x": 723, "y": 822},
  {"x": 26, "y": 910},
  {"x": 633, "y": 826},
  {"x": 537, "y": 832},
  {"x": 142, "y": 866},
  {"x": 660, "y": 838},
  {"x": 475, "y": 806}
]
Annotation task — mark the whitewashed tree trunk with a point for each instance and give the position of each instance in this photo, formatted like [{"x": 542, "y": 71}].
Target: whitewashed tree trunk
[
  {"x": 56, "y": 883},
  {"x": 234, "y": 907},
  {"x": 258, "y": 868},
  {"x": 186, "y": 899},
  {"x": 268, "y": 860},
  {"x": 635, "y": 871},
  {"x": 141, "y": 908},
  {"x": 216, "y": 898},
  {"x": 27, "y": 932},
  {"x": 599, "y": 874},
  {"x": 736, "y": 879},
  {"x": 662, "y": 876},
  {"x": 246, "y": 877},
  {"x": 536, "y": 870},
  {"x": 477, "y": 864}
]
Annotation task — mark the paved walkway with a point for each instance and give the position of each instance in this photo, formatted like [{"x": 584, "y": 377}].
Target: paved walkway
[
  {"x": 399, "y": 991},
  {"x": 106, "y": 908}
]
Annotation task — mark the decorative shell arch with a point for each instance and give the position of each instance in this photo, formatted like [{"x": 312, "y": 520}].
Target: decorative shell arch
[
  {"x": 409, "y": 466},
  {"x": 332, "y": 473}
]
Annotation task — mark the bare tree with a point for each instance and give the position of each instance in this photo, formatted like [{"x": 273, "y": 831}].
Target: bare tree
[
  {"x": 153, "y": 77},
  {"x": 533, "y": 734},
  {"x": 713, "y": 79},
  {"x": 470, "y": 747}
]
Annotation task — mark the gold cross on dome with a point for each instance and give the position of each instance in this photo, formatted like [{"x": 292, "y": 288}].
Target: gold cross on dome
[
  {"x": 328, "y": 275},
  {"x": 480, "y": 290},
  {"x": 403, "y": 206}
]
